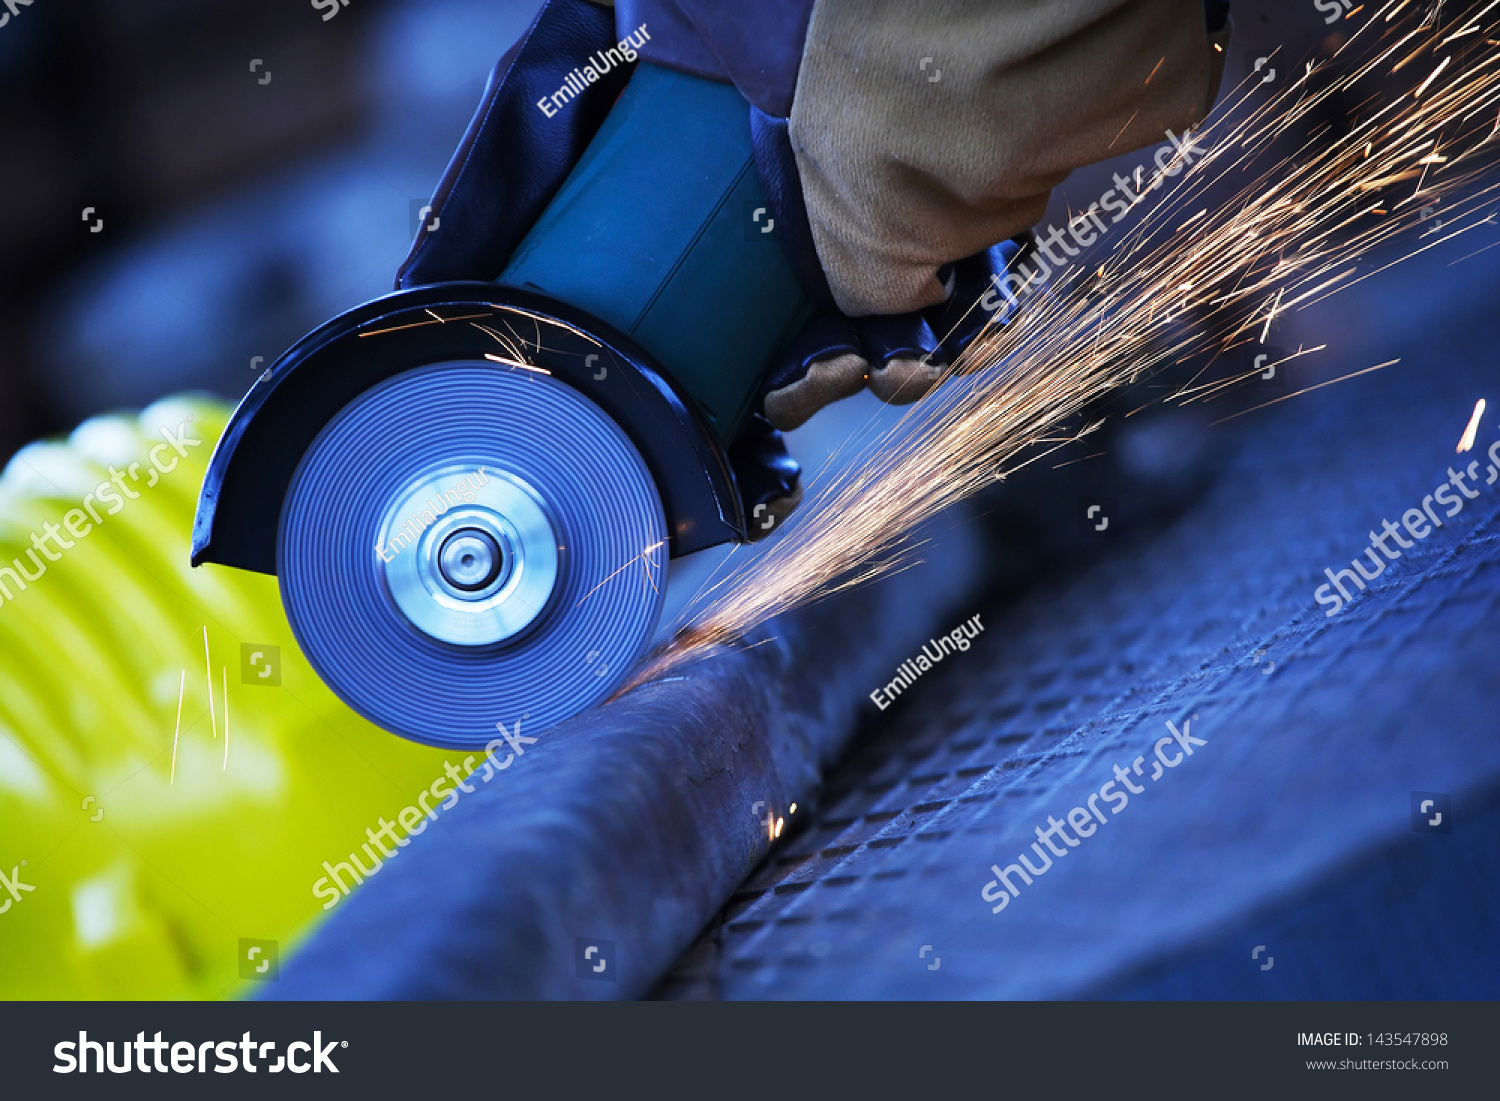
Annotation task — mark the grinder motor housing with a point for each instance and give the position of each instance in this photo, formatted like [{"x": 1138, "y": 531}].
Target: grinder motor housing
[{"x": 597, "y": 382}]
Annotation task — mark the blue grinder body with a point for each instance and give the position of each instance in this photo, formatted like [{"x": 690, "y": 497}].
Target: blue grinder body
[
  {"x": 639, "y": 316},
  {"x": 662, "y": 232}
]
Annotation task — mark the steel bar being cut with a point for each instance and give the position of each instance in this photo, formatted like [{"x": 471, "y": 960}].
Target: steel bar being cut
[
  {"x": 627, "y": 828},
  {"x": 690, "y": 501}
]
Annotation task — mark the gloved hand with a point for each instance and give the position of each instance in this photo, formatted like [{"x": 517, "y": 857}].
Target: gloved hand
[
  {"x": 894, "y": 146},
  {"x": 900, "y": 356}
]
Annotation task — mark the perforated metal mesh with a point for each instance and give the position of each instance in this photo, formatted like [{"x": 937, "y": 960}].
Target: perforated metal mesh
[{"x": 1308, "y": 771}]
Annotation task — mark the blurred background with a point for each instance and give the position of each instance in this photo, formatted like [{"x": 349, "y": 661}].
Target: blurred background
[
  {"x": 189, "y": 187},
  {"x": 248, "y": 171},
  {"x": 251, "y": 170},
  {"x": 256, "y": 169}
]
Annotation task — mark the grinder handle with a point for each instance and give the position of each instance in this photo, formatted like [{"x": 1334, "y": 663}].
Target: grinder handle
[{"x": 662, "y": 231}]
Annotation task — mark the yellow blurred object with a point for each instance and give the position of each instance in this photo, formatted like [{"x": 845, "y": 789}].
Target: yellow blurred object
[{"x": 137, "y": 851}]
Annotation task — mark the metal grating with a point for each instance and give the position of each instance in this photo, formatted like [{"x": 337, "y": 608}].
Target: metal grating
[{"x": 1310, "y": 767}]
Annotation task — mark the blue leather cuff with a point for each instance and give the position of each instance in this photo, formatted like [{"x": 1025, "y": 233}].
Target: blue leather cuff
[
  {"x": 514, "y": 157},
  {"x": 776, "y": 165}
]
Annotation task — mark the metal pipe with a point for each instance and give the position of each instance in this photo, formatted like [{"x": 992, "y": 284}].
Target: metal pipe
[{"x": 627, "y": 828}]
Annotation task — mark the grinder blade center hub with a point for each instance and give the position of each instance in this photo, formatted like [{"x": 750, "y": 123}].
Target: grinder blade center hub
[{"x": 469, "y": 556}]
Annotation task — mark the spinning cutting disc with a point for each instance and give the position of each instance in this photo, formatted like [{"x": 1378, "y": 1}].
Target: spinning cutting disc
[{"x": 469, "y": 544}]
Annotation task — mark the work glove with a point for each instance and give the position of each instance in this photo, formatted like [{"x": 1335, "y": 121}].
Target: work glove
[
  {"x": 897, "y": 144},
  {"x": 899, "y": 357},
  {"x": 894, "y": 147}
]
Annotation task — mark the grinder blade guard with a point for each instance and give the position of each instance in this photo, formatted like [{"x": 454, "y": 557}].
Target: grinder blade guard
[{"x": 585, "y": 400}]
